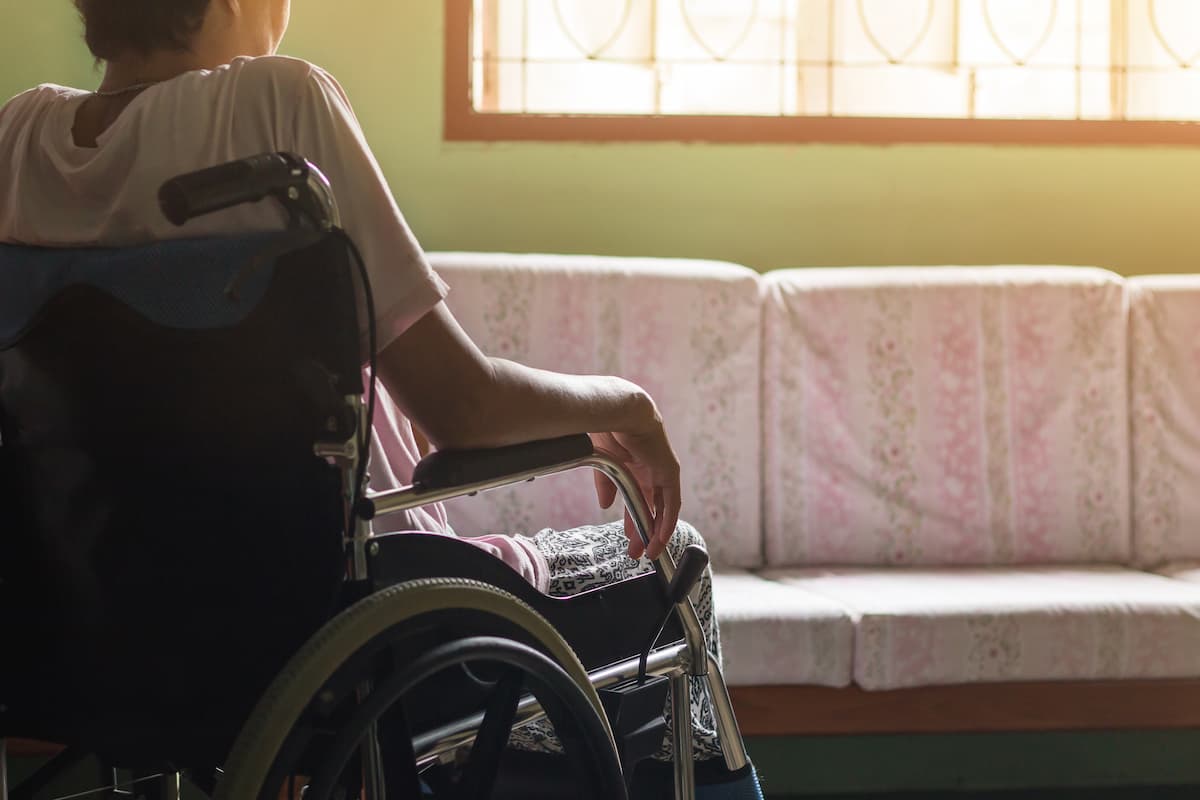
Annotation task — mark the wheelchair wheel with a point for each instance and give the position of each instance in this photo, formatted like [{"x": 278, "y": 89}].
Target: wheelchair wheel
[{"x": 456, "y": 645}]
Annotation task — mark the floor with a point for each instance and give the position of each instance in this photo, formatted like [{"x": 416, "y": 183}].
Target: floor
[{"x": 1132, "y": 793}]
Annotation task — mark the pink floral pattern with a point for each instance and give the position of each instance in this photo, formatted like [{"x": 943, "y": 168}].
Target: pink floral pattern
[
  {"x": 826, "y": 463},
  {"x": 1035, "y": 391},
  {"x": 1164, "y": 338},
  {"x": 958, "y": 438},
  {"x": 820, "y": 470},
  {"x": 999, "y": 489},
  {"x": 687, "y": 331},
  {"x": 773, "y": 634},
  {"x": 894, "y": 476},
  {"x": 974, "y": 414},
  {"x": 937, "y": 626},
  {"x": 1100, "y": 429}
]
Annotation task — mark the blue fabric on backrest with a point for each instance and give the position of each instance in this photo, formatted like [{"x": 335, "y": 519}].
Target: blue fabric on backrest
[{"x": 179, "y": 283}]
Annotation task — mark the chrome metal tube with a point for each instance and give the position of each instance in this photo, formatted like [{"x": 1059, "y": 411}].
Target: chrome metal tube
[
  {"x": 172, "y": 786},
  {"x": 364, "y": 529},
  {"x": 732, "y": 744},
  {"x": 634, "y": 501},
  {"x": 373, "y": 788},
  {"x": 681, "y": 742},
  {"x": 461, "y": 733},
  {"x": 347, "y": 457}
]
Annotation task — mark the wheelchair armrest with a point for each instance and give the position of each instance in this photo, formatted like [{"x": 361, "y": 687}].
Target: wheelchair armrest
[{"x": 449, "y": 469}]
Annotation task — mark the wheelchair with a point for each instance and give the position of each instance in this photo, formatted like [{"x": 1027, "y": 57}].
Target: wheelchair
[{"x": 190, "y": 586}]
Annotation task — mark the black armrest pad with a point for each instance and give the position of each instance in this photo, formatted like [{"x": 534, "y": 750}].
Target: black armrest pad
[{"x": 450, "y": 468}]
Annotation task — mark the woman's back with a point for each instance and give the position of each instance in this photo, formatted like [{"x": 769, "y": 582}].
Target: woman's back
[{"x": 195, "y": 120}]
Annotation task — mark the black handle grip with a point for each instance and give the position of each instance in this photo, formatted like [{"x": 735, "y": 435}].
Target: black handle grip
[
  {"x": 244, "y": 181},
  {"x": 689, "y": 569}
]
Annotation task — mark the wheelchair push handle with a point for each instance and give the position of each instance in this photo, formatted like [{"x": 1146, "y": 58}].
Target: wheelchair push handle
[
  {"x": 292, "y": 180},
  {"x": 689, "y": 569}
]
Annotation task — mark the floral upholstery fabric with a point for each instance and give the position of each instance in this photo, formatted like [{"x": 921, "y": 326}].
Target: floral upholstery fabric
[
  {"x": 1164, "y": 368},
  {"x": 774, "y": 634},
  {"x": 687, "y": 331},
  {"x": 923, "y": 416},
  {"x": 934, "y": 626}
]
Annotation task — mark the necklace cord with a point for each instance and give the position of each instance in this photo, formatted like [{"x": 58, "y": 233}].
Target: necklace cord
[{"x": 126, "y": 90}]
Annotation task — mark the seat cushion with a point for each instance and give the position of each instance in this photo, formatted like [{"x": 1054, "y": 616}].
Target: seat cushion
[
  {"x": 936, "y": 626},
  {"x": 1164, "y": 355},
  {"x": 777, "y": 634},
  {"x": 1181, "y": 570},
  {"x": 687, "y": 331},
  {"x": 923, "y": 416}
]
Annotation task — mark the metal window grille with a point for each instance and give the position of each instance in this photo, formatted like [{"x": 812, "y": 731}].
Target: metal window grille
[{"x": 954, "y": 59}]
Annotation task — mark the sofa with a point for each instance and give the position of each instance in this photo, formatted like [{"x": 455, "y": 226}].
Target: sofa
[{"x": 936, "y": 499}]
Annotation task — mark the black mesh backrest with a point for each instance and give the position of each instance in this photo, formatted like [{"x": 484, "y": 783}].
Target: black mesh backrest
[{"x": 168, "y": 535}]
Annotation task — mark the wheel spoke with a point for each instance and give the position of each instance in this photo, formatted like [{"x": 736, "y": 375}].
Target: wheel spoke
[
  {"x": 484, "y": 762},
  {"x": 399, "y": 762}
]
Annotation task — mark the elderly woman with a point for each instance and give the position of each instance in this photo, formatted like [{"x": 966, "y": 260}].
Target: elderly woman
[{"x": 192, "y": 83}]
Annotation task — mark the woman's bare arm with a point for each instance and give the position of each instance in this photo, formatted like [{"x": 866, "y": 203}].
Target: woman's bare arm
[{"x": 460, "y": 399}]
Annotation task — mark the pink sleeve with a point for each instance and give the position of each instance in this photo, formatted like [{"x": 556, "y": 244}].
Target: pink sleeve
[{"x": 327, "y": 133}]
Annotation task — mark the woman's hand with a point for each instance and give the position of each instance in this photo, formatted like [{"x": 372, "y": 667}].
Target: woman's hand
[{"x": 647, "y": 454}]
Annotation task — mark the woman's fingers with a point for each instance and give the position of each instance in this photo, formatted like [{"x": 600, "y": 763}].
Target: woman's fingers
[
  {"x": 636, "y": 548},
  {"x": 656, "y": 540},
  {"x": 606, "y": 443},
  {"x": 672, "y": 502},
  {"x": 606, "y": 490},
  {"x": 666, "y": 516},
  {"x": 656, "y": 469}
]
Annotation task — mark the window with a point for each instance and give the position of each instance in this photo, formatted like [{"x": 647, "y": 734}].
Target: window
[{"x": 870, "y": 70}]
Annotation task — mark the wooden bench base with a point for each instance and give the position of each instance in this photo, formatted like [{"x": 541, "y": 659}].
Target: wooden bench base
[{"x": 972, "y": 708}]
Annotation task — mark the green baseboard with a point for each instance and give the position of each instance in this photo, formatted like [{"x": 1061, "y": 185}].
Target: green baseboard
[{"x": 814, "y": 766}]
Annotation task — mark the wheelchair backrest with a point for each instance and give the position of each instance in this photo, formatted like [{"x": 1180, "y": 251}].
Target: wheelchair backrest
[{"x": 159, "y": 408}]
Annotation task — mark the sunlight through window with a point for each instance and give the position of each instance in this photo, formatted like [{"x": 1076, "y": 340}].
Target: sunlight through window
[{"x": 954, "y": 59}]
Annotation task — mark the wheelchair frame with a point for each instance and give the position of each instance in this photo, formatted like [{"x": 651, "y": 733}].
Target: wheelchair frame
[
  {"x": 308, "y": 195},
  {"x": 683, "y": 662}
]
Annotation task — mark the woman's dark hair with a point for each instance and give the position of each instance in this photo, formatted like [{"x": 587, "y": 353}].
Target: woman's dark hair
[{"x": 114, "y": 27}]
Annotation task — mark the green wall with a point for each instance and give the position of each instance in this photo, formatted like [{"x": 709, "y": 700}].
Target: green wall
[{"x": 1126, "y": 208}]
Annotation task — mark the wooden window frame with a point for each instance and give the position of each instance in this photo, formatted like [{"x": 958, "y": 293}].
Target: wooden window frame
[{"x": 462, "y": 123}]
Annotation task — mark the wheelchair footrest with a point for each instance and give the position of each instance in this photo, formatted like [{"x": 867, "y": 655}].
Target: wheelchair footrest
[{"x": 635, "y": 712}]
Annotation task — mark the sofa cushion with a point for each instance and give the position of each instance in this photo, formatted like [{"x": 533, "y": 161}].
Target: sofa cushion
[
  {"x": 687, "y": 331},
  {"x": 929, "y": 626},
  {"x": 1164, "y": 341},
  {"x": 945, "y": 416},
  {"x": 774, "y": 634},
  {"x": 1181, "y": 571}
]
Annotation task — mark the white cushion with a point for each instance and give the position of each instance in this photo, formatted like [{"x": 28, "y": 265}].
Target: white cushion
[
  {"x": 1164, "y": 342},
  {"x": 687, "y": 331},
  {"x": 1181, "y": 571},
  {"x": 776, "y": 634},
  {"x": 946, "y": 415},
  {"x": 917, "y": 627}
]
